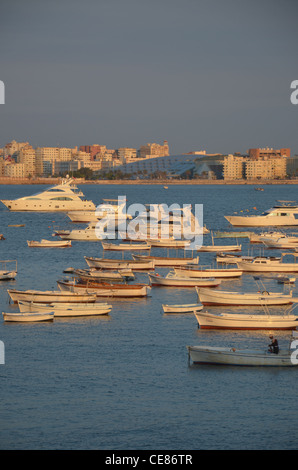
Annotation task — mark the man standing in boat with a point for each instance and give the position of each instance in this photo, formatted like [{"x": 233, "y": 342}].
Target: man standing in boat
[{"x": 273, "y": 346}]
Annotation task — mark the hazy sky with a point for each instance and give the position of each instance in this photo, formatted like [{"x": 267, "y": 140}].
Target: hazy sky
[{"x": 202, "y": 74}]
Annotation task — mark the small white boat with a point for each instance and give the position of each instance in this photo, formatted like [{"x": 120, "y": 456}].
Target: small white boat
[
  {"x": 171, "y": 280},
  {"x": 135, "y": 265},
  {"x": 67, "y": 310},
  {"x": 214, "y": 355},
  {"x": 49, "y": 244},
  {"x": 269, "y": 264},
  {"x": 125, "y": 246},
  {"x": 205, "y": 272},
  {"x": 184, "y": 308},
  {"x": 29, "y": 316},
  {"x": 167, "y": 260},
  {"x": 50, "y": 296},
  {"x": 233, "y": 321},
  {"x": 8, "y": 272},
  {"x": 220, "y": 297}
]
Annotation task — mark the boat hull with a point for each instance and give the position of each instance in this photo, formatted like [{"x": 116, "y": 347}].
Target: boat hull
[
  {"x": 106, "y": 290},
  {"x": 47, "y": 206},
  {"x": 221, "y": 248},
  {"x": 100, "y": 263},
  {"x": 261, "y": 221},
  {"x": 28, "y": 317},
  {"x": 67, "y": 310},
  {"x": 246, "y": 322},
  {"x": 167, "y": 261},
  {"x": 184, "y": 308},
  {"x": 182, "y": 282},
  {"x": 199, "y": 273},
  {"x": 50, "y": 297},
  {"x": 231, "y": 356},
  {"x": 275, "y": 267},
  {"x": 211, "y": 297}
]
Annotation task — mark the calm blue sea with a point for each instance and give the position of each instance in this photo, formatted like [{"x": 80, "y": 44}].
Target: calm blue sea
[{"x": 123, "y": 382}]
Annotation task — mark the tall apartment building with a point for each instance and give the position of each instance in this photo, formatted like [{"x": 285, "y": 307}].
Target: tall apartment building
[
  {"x": 266, "y": 168},
  {"x": 13, "y": 147},
  {"x": 154, "y": 150},
  {"x": 27, "y": 156},
  {"x": 92, "y": 149},
  {"x": 126, "y": 154},
  {"x": 14, "y": 170},
  {"x": 233, "y": 167},
  {"x": 269, "y": 152},
  {"x": 46, "y": 156}
]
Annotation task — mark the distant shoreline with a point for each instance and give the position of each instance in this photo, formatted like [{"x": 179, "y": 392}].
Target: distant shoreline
[{"x": 54, "y": 181}]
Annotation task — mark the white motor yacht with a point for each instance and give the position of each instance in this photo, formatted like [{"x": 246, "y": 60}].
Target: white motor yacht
[
  {"x": 62, "y": 197},
  {"x": 285, "y": 213}
]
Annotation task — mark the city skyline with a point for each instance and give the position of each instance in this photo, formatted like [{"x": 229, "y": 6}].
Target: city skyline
[{"x": 202, "y": 75}]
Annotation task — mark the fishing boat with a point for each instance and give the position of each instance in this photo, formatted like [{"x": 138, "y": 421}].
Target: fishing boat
[
  {"x": 8, "y": 272},
  {"x": 50, "y": 296},
  {"x": 67, "y": 310},
  {"x": 105, "y": 289},
  {"x": 259, "y": 237},
  {"x": 205, "y": 272},
  {"x": 183, "y": 308},
  {"x": 233, "y": 321},
  {"x": 219, "y": 248},
  {"x": 49, "y": 244},
  {"x": 171, "y": 280},
  {"x": 220, "y": 297},
  {"x": 285, "y": 213},
  {"x": 226, "y": 258},
  {"x": 269, "y": 264},
  {"x": 28, "y": 316},
  {"x": 125, "y": 246},
  {"x": 215, "y": 355},
  {"x": 281, "y": 243},
  {"x": 135, "y": 265},
  {"x": 167, "y": 260},
  {"x": 168, "y": 243},
  {"x": 99, "y": 275},
  {"x": 88, "y": 233},
  {"x": 62, "y": 197}
]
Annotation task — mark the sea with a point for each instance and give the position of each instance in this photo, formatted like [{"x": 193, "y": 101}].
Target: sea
[{"x": 124, "y": 381}]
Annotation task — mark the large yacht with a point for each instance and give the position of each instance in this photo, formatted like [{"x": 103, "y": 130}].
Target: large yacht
[
  {"x": 63, "y": 197},
  {"x": 284, "y": 213}
]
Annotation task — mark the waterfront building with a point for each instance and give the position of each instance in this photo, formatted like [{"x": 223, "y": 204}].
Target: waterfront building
[
  {"x": 154, "y": 150},
  {"x": 27, "y": 156},
  {"x": 266, "y": 168},
  {"x": 14, "y": 170},
  {"x": 233, "y": 167},
  {"x": 268, "y": 152}
]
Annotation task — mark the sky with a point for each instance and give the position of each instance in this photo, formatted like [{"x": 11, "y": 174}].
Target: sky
[{"x": 210, "y": 75}]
